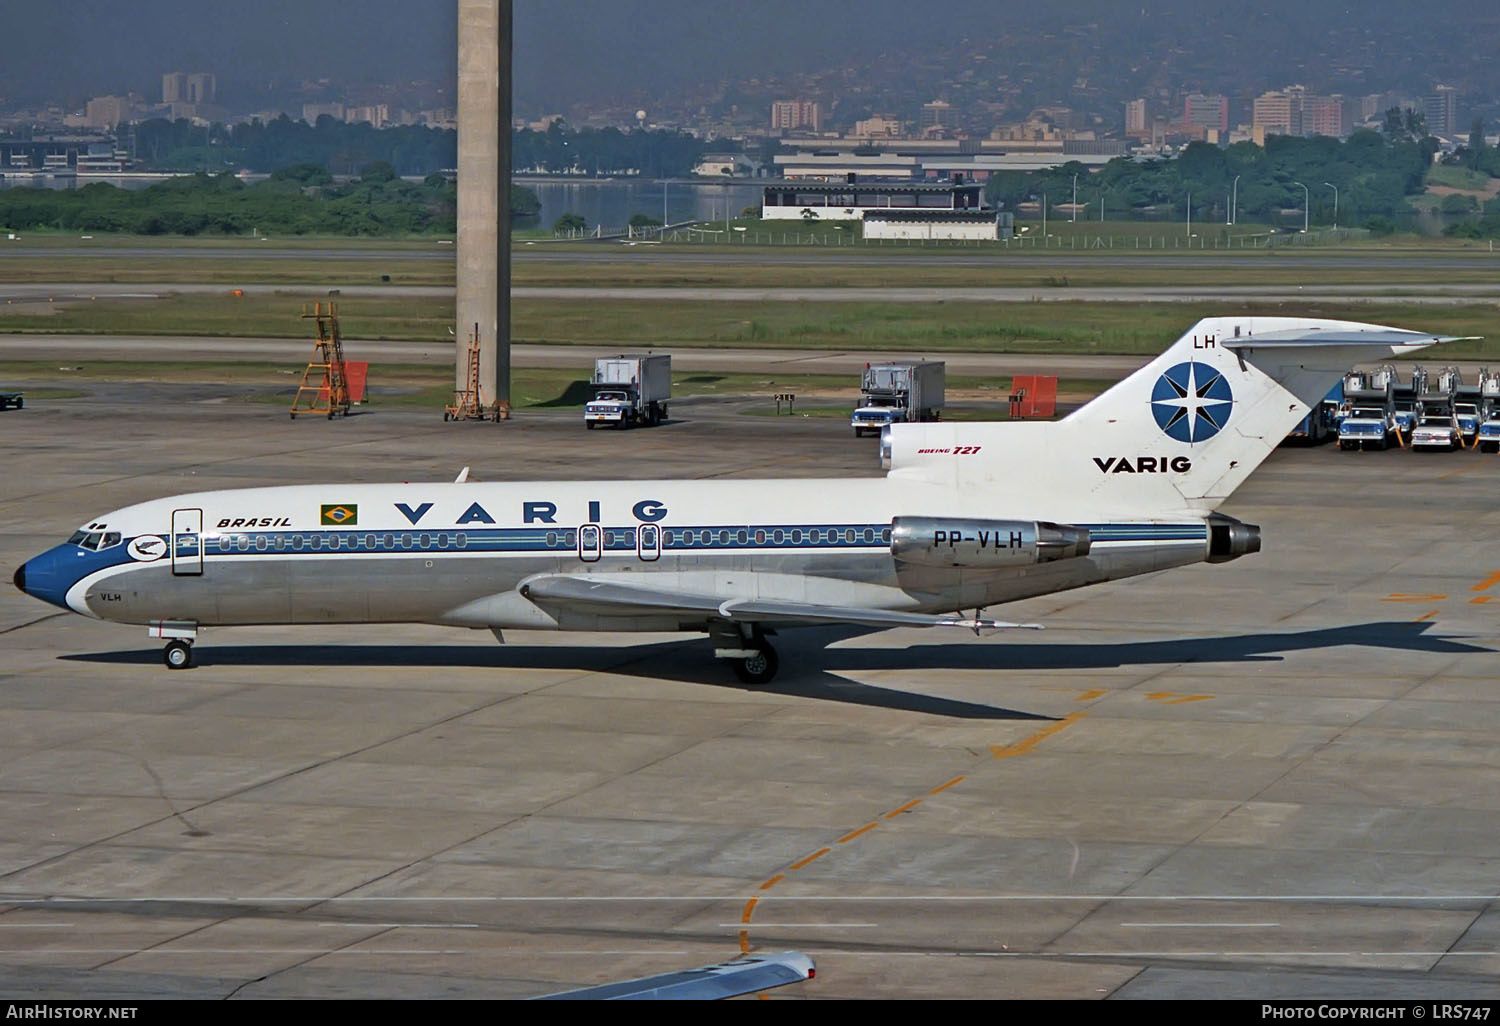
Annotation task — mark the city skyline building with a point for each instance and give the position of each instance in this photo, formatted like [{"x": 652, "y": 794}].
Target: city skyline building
[
  {"x": 1208, "y": 111},
  {"x": 796, "y": 115},
  {"x": 1440, "y": 110}
]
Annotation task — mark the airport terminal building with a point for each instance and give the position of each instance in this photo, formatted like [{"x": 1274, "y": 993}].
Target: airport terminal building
[
  {"x": 892, "y": 210},
  {"x": 851, "y": 201}
]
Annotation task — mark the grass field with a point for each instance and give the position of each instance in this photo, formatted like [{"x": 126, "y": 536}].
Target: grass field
[
  {"x": 1030, "y": 327},
  {"x": 318, "y": 264}
]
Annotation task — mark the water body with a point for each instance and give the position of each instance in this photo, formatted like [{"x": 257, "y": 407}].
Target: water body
[{"x": 612, "y": 202}]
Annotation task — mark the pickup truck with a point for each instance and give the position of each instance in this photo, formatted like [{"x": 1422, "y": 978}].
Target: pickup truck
[
  {"x": 12, "y": 400},
  {"x": 1467, "y": 415},
  {"x": 1489, "y": 433},
  {"x": 1367, "y": 426}
]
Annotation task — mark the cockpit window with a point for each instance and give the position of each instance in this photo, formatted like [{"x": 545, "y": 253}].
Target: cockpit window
[
  {"x": 78, "y": 537},
  {"x": 111, "y": 539}
]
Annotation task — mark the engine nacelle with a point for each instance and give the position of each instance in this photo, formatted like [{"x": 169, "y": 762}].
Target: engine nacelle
[
  {"x": 1229, "y": 538},
  {"x": 957, "y": 543}
]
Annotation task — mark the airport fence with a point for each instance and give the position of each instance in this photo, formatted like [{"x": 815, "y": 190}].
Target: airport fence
[{"x": 738, "y": 235}]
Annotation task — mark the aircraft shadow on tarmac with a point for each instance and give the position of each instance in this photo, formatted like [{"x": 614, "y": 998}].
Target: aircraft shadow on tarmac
[{"x": 811, "y": 669}]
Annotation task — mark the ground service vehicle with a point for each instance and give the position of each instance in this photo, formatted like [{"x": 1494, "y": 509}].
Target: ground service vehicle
[
  {"x": 1367, "y": 426},
  {"x": 1467, "y": 415},
  {"x": 1489, "y": 409},
  {"x": 629, "y": 389},
  {"x": 1321, "y": 422},
  {"x": 1437, "y": 431},
  {"x": 898, "y": 393}
]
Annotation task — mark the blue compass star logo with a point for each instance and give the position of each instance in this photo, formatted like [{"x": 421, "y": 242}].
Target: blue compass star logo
[{"x": 1192, "y": 402}]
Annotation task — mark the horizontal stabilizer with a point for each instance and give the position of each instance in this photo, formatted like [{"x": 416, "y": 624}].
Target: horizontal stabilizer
[
  {"x": 608, "y": 598},
  {"x": 1378, "y": 337}
]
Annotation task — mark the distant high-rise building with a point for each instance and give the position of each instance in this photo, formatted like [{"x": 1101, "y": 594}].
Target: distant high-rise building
[
  {"x": 1206, "y": 111},
  {"x": 107, "y": 112},
  {"x": 376, "y": 114},
  {"x": 1278, "y": 113},
  {"x": 938, "y": 115},
  {"x": 1137, "y": 121},
  {"x": 1440, "y": 108},
  {"x": 174, "y": 87},
  {"x": 792, "y": 115},
  {"x": 200, "y": 88},
  {"x": 1325, "y": 115},
  {"x": 878, "y": 126}
]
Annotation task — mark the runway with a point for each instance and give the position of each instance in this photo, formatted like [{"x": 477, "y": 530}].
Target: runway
[{"x": 1271, "y": 778}]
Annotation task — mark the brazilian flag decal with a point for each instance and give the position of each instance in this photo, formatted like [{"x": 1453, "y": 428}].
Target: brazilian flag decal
[{"x": 344, "y": 514}]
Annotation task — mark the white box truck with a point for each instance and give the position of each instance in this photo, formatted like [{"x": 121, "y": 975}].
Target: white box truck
[
  {"x": 629, "y": 389},
  {"x": 897, "y": 393}
]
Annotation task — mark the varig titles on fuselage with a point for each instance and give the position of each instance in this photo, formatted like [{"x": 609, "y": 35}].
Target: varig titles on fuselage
[{"x": 532, "y": 511}]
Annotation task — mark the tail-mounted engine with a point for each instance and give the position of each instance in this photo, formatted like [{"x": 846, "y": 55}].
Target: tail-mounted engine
[
  {"x": 1229, "y": 539},
  {"x": 953, "y": 543}
]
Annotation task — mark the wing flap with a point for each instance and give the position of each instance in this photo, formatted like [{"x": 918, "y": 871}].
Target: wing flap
[{"x": 611, "y": 598}]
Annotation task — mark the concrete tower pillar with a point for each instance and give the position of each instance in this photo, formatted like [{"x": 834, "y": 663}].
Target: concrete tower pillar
[{"x": 484, "y": 138}]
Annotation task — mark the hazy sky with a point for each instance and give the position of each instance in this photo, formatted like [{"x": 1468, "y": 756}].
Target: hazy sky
[{"x": 565, "y": 49}]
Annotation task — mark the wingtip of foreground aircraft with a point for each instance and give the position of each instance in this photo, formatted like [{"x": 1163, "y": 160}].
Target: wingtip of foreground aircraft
[{"x": 748, "y": 974}]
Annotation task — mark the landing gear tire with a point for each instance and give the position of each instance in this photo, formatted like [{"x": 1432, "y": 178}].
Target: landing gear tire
[
  {"x": 759, "y": 668},
  {"x": 178, "y": 655}
]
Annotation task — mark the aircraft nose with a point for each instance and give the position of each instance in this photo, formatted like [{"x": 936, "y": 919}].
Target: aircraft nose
[{"x": 45, "y": 577}]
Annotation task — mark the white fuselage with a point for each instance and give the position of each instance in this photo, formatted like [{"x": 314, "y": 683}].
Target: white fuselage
[{"x": 456, "y": 553}]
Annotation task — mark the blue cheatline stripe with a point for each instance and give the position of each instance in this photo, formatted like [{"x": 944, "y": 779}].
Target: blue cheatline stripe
[{"x": 740, "y": 537}]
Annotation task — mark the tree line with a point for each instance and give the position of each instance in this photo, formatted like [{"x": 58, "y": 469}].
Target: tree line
[
  {"x": 606, "y": 151},
  {"x": 343, "y": 149},
  {"x": 1369, "y": 175},
  {"x": 299, "y": 200}
]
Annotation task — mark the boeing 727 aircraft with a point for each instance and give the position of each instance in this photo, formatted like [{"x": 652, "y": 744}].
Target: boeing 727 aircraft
[{"x": 969, "y": 515}]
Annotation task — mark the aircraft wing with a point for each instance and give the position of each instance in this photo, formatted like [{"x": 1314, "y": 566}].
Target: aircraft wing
[
  {"x": 608, "y": 598},
  {"x": 746, "y": 975}
]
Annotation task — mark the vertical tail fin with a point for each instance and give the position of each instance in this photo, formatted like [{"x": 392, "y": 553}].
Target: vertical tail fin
[{"x": 1179, "y": 434}]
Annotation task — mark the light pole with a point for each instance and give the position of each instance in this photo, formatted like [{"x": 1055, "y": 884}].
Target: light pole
[
  {"x": 1304, "y": 205},
  {"x": 1234, "y": 200},
  {"x": 1044, "y": 219},
  {"x": 1190, "y": 220},
  {"x": 1075, "y": 199},
  {"x": 1335, "y": 189}
]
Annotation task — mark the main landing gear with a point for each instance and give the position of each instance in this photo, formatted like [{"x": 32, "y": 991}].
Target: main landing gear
[
  {"x": 178, "y": 655},
  {"x": 179, "y": 636},
  {"x": 758, "y": 668},
  {"x": 746, "y": 647}
]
